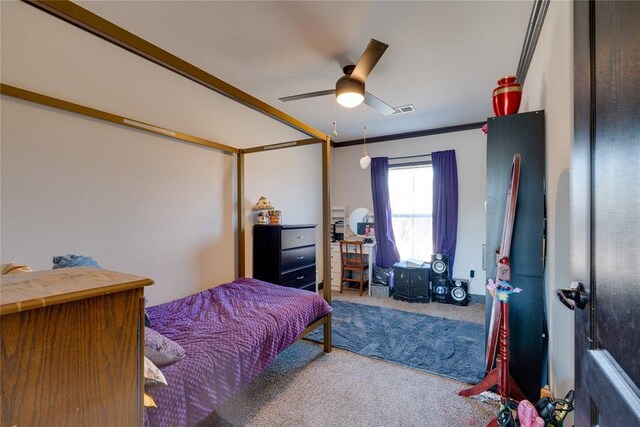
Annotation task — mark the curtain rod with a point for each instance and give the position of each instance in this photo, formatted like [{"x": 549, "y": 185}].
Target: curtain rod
[{"x": 409, "y": 157}]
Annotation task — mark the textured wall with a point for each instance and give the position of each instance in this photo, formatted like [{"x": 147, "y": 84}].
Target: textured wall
[
  {"x": 352, "y": 188},
  {"x": 290, "y": 179},
  {"x": 549, "y": 87},
  {"x": 136, "y": 202}
]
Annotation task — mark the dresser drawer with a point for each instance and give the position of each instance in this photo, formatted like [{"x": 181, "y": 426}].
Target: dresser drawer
[
  {"x": 294, "y": 258},
  {"x": 335, "y": 281},
  {"x": 299, "y": 278},
  {"x": 295, "y": 237}
]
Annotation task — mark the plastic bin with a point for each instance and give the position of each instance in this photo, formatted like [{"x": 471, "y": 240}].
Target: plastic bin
[{"x": 380, "y": 291}]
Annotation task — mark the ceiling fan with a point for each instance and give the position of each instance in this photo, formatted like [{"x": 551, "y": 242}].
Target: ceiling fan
[{"x": 349, "y": 89}]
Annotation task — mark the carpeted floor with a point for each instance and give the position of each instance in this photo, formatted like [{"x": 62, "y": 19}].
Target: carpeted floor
[
  {"x": 308, "y": 388},
  {"x": 453, "y": 348},
  {"x": 305, "y": 387}
]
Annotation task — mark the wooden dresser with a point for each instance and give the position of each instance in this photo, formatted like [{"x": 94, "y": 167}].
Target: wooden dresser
[
  {"x": 72, "y": 348},
  {"x": 285, "y": 255}
]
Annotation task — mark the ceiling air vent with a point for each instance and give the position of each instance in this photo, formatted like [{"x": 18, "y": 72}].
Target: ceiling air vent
[{"x": 404, "y": 109}]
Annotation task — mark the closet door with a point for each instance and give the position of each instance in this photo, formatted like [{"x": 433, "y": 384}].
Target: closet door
[
  {"x": 605, "y": 212},
  {"x": 520, "y": 133}
]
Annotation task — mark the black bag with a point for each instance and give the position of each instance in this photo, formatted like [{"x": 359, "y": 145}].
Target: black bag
[{"x": 380, "y": 275}]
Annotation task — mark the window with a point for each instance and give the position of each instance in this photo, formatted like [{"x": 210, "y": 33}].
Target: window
[{"x": 411, "y": 197}]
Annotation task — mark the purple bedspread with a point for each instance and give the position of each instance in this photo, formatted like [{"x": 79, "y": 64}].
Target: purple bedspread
[{"x": 230, "y": 334}]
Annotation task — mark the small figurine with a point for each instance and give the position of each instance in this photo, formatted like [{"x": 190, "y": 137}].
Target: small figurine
[
  {"x": 502, "y": 290},
  {"x": 261, "y": 218}
]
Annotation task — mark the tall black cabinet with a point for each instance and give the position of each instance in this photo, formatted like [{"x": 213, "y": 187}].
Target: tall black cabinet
[{"x": 525, "y": 134}]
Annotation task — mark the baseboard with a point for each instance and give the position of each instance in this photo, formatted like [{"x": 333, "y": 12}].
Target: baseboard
[{"x": 477, "y": 298}]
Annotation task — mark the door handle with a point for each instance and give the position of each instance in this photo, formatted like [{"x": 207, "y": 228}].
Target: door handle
[{"x": 575, "y": 296}]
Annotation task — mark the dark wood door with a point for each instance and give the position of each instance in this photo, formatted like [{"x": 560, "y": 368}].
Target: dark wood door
[{"x": 605, "y": 212}]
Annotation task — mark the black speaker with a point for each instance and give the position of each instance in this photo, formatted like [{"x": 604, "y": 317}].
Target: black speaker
[
  {"x": 459, "y": 292},
  {"x": 440, "y": 290},
  {"x": 439, "y": 266}
]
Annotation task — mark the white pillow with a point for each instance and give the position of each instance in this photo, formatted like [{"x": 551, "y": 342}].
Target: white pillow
[{"x": 153, "y": 376}]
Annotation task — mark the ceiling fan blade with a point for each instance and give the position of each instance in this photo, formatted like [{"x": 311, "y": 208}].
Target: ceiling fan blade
[
  {"x": 368, "y": 60},
  {"x": 307, "y": 95},
  {"x": 378, "y": 104}
]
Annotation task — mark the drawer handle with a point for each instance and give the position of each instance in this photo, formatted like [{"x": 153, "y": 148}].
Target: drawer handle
[
  {"x": 300, "y": 237},
  {"x": 300, "y": 257},
  {"x": 299, "y": 277}
]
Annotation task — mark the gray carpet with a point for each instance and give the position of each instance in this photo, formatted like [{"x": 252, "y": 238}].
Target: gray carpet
[
  {"x": 305, "y": 387},
  {"x": 446, "y": 347}
]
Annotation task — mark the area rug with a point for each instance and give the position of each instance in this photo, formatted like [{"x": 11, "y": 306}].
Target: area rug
[{"x": 441, "y": 346}]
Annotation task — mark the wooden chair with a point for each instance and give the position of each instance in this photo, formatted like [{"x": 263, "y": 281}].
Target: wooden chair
[{"x": 352, "y": 260}]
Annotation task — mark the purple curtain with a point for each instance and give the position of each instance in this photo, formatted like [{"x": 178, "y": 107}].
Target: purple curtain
[
  {"x": 445, "y": 203},
  {"x": 387, "y": 253}
]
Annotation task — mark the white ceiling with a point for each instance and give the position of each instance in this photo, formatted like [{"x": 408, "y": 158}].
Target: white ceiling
[{"x": 443, "y": 57}]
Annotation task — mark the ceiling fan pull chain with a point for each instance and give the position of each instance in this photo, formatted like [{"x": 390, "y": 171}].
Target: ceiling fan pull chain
[
  {"x": 364, "y": 142},
  {"x": 335, "y": 126},
  {"x": 365, "y": 160}
]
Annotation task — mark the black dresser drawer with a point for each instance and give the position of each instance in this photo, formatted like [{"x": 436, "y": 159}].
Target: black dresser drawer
[
  {"x": 285, "y": 254},
  {"x": 300, "y": 278},
  {"x": 310, "y": 287},
  {"x": 295, "y": 237},
  {"x": 295, "y": 258}
]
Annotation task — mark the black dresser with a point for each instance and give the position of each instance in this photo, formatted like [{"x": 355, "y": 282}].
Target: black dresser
[
  {"x": 411, "y": 284},
  {"x": 285, "y": 255}
]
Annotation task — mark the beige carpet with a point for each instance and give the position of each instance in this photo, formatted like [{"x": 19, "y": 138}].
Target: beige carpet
[
  {"x": 474, "y": 312},
  {"x": 306, "y": 387}
]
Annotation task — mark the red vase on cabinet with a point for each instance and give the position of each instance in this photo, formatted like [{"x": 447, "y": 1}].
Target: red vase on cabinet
[{"x": 507, "y": 96}]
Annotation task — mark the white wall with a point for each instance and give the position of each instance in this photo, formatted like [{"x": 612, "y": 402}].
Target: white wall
[
  {"x": 352, "y": 188},
  {"x": 549, "y": 86},
  {"x": 47, "y": 55},
  {"x": 291, "y": 179},
  {"x": 136, "y": 202}
]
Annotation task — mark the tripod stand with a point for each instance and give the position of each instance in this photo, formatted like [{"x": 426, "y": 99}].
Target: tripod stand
[{"x": 499, "y": 376}]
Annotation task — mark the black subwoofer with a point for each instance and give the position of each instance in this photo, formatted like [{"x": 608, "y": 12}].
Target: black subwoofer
[
  {"x": 440, "y": 290},
  {"x": 459, "y": 292},
  {"x": 440, "y": 278}
]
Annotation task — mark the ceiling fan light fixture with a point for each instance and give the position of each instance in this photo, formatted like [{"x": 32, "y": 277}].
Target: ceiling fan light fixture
[{"x": 349, "y": 92}]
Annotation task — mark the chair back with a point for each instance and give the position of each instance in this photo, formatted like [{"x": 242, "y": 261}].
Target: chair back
[{"x": 351, "y": 253}]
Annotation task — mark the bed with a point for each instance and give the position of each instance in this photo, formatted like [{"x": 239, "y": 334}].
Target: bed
[
  {"x": 271, "y": 326},
  {"x": 230, "y": 334}
]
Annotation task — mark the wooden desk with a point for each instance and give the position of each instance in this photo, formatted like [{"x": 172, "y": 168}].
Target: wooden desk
[
  {"x": 368, "y": 249},
  {"x": 72, "y": 348}
]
